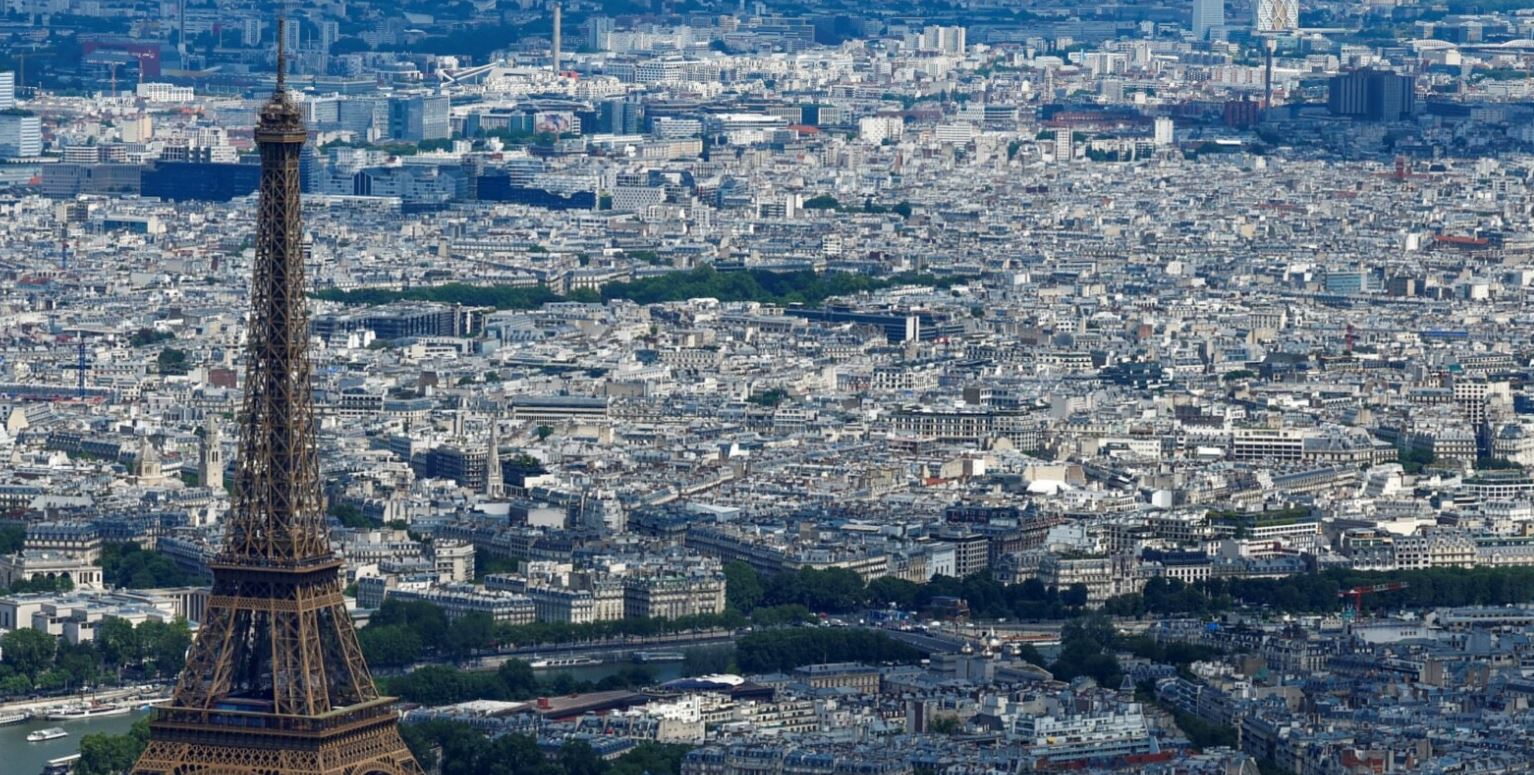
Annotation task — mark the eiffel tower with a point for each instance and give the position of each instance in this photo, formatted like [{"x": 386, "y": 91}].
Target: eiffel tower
[{"x": 275, "y": 683}]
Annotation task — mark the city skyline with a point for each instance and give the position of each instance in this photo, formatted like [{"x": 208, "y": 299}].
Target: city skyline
[{"x": 720, "y": 388}]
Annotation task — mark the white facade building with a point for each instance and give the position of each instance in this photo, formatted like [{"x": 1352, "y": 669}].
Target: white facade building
[
  {"x": 1277, "y": 15},
  {"x": 21, "y": 136}
]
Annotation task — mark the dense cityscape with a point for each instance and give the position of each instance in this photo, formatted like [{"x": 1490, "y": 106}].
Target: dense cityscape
[{"x": 617, "y": 387}]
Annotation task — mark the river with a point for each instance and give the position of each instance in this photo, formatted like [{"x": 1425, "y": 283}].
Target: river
[
  {"x": 660, "y": 672},
  {"x": 24, "y": 758}
]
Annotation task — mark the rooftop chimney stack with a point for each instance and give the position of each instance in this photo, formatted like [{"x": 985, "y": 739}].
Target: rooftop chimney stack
[{"x": 556, "y": 39}]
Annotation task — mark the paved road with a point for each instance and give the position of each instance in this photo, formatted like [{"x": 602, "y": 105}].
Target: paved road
[
  {"x": 608, "y": 649},
  {"x": 935, "y": 643},
  {"x": 107, "y": 696}
]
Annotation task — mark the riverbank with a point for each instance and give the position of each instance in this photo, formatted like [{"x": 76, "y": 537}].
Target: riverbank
[
  {"x": 106, "y": 697},
  {"x": 24, "y": 758}
]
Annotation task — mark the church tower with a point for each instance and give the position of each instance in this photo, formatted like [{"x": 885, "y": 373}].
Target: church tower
[
  {"x": 495, "y": 487},
  {"x": 210, "y": 467}
]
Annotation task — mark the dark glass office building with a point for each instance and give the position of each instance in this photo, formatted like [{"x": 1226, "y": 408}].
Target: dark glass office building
[{"x": 200, "y": 181}]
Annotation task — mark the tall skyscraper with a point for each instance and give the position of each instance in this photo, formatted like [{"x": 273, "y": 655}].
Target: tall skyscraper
[
  {"x": 420, "y": 117},
  {"x": 598, "y": 29},
  {"x": 1372, "y": 95},
  {"x": 21, "y": 136},
  {"x": 948, "y": 40},
  {"x": 1277, "y": 15},
  {"x": 275, "y": 683},
  {"x": 1065, "y": 146},
  {"x": 1207, "y": 14},
  {"x": 7, "y": 90}
]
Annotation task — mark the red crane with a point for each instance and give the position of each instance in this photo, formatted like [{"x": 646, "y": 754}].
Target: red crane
[{"x": 1357, "y": 593}]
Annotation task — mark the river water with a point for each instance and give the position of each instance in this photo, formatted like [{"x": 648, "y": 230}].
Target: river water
[
  {"x": 660, "y": 672},
  {"x": 19, "y": 757}
]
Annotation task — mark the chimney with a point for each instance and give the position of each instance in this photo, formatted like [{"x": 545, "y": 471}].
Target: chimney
[{"x": 556, "y": 39}]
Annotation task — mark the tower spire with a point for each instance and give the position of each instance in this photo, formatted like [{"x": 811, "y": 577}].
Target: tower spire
[{"x": 282, "y": 54}]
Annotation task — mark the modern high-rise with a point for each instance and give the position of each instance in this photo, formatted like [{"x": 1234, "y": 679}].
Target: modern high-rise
[
  {"x": 1277, "y": 15},
  {"x": 598, "y": 31},
  {"x": 1065, "y": 147},
  {"x": 419, "y": 117},
  {"x": 621, "y": 116},
  {"x": 1207, "y": 15},
  {"x": 21, "y": 135},
  {"x": 1372, "y": 95},
  {"x": 7, "y": 90},
  {"x": 947, "y": 40},
  {"x": 292, "y": 36},
  {"x": 275, "y": 682}
]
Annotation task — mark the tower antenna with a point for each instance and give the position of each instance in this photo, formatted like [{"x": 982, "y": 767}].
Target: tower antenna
[{"x": 282, "y": 52}]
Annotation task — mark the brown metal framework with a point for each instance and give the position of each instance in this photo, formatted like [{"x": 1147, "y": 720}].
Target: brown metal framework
[{"x": 275, "y": 683}]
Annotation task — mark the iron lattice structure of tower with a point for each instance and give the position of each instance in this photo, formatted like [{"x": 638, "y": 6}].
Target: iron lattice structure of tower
[{"x": 275, "y": 683}]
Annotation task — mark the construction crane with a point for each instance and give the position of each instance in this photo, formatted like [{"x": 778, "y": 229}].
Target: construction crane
[
  {"x": 1358, "y": 593},
  {"x": 81, "y": 365},
  {"x": 21, "y": 66},
  {"x": 83, "y": 357},
  {"x": 141, "y": 56}
]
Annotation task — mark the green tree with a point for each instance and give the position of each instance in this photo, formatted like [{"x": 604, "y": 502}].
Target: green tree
[
  {"x": 1075, "y": 596},
  {"x": 350, "y": 516},
  {"x": 172, "y": 361},
  {"x": 769, "y": 398},
  {"x": 518, "y": 678},
  {"x": 709, "y": 661},
  {"x": 390, "y": 645},
  {"x": 147, "y": 336},
  {"x": 514, "y": 755},
  {"x": 118, "y": 642},
  {"x": 650, "y": 758},
  {"x": 165, "y": 645},
  {"x": 427, "y": 621},
  {"x": 832, "y": 590},
  {"x": 13, "y": 685},
  {"x": 470, "y": 633},
  {"x": 742, "y": 586},
  {"x": 12, "y": 538},
  {"x": 781, "y": 650},
  {"x": 112, "y": 754},
  {"x": 888, "y": 590},
  {"x": 52, "y": 680},
  {"x": 126, "y": 565},
  {"x": 576, "y": 757},
  {"x": 81, "y": 663},
  {"x": 1030, "y": 654},
  {"x": 422, "y": 746},
  {"x": 945, "y": 724},
  {"x": 28, "y": 651}
]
